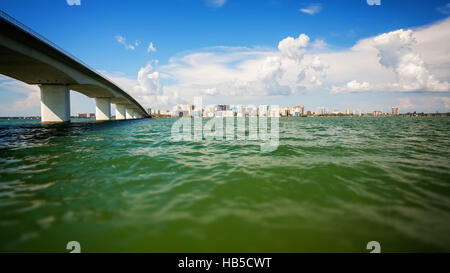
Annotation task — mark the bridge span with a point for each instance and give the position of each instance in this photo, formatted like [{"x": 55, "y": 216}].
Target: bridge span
[{"x": 28, "y": 57}]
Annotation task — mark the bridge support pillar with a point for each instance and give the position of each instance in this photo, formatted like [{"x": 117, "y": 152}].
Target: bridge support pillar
[
  {"x": 130, "y": 113},
  {"x": 120, "y": 111},
  {"x": 103, "y": 108},
  {"x": 55, "y": 103}
]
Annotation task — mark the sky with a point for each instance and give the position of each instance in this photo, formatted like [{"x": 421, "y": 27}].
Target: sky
[{"x": 358, "y": 54}]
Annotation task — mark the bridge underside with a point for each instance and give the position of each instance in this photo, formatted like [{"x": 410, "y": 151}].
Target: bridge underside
[
  {"x": 55, "y": 85},
  {"x": 26, "y": 58}
]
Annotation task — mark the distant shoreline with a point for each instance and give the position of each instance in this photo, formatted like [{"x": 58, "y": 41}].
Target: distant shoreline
[
  {"x": 304, "y": 116},
  {"x": 413, "y": 114}
]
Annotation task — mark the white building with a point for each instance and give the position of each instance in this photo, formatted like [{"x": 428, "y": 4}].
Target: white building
[
  {"x": 299, "y": 110},
  {"x": 183, "y": 110},
  {"x": 241, "y": 111},
  {"x": 263, "y": 110},
  {"x": 394, "y": 111},
  {"x": 321, "y": 111}
]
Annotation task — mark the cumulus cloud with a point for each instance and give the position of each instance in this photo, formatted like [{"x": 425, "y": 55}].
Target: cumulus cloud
[
  {"x": 395, "y": 52},
  {"x": 294, "y": 47},
  {"x": 247, "y": 72},
  {"x": 151, "y": 48},
  {"x": 401, "y": 60},
  {"x": 147, "y": 88},
  {"x": 312, "y": 9},
  {"x": 73, "y": 2},
  {"x": 215, "y": 3},
  {"x": 121, "y": 40},
  {"x": 148, "y": 81},
  {"x": 397, "y": 61}
]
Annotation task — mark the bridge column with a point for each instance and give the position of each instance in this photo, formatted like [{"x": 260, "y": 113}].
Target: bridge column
[
  {"x": 103, "y": 108},
  {"x": 55, "y": 103},
  {"x": 120, "y": 111},
  {"x": 130, "y": 113}
]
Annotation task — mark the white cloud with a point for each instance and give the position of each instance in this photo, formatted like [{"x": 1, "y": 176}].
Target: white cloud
[
  {"x": 352, "y": 86},
  {"x": 210, "y": 91},
  {"x": 445, "y": 9},
  {"x": 29, "y": 104},
  {"x": 319, "y": 44},
  {"x": 293, "y": 48},
  {"x": 312, "y": 9},
  {"x": 121, "y": 40},
  {"x": 402, "y": 60},
  {"x": 151, "y": 48},
  {"x": 395, "y": 51},
  {"x": 146, "y": 88},
  {"x": 73, "y": 2},
  {"x": 148, "y": 81},
  {"x": 246, "y": 72},
  {"x": 216, "y": 3},
  {"x": 393, "y": 62}
]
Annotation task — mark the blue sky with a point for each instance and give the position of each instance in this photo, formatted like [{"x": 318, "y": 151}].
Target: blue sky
[{"x": 186, "y": 29}]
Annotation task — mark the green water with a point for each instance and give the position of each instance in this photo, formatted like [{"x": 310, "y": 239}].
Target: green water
[{"x": 332, "y": 185}]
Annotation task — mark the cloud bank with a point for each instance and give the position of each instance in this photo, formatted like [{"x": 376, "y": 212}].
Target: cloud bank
[{"x": 413, "y": 60}]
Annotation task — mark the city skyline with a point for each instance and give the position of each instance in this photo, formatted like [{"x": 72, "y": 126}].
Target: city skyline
[
  {"x": 298, "y": 57},
  {"x": 225, "y": 110}
]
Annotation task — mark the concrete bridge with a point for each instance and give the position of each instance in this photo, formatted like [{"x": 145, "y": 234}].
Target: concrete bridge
[{"x": 30, "y": 58}]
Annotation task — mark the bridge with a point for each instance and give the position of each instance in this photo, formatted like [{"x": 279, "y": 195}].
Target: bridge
[{"x": 28, "y": 57}]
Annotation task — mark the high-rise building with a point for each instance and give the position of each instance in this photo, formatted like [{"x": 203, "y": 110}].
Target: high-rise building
[
  {"x": 240, "y": 111},
  {"x": 209, "y": 111},
  {"x": 263, "y": 110},
  {"x": 285, "y": 111},
  {"x": 274, "y": 111},
  {"x": 299, "y": 110},
  {"x": 348, "y": 111},
  {"x": 321, "y": 111},
  {"x": 377, "y": 113},
  {"x": 394, "y": 111},
  {"x": 183, "y": 110}
]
